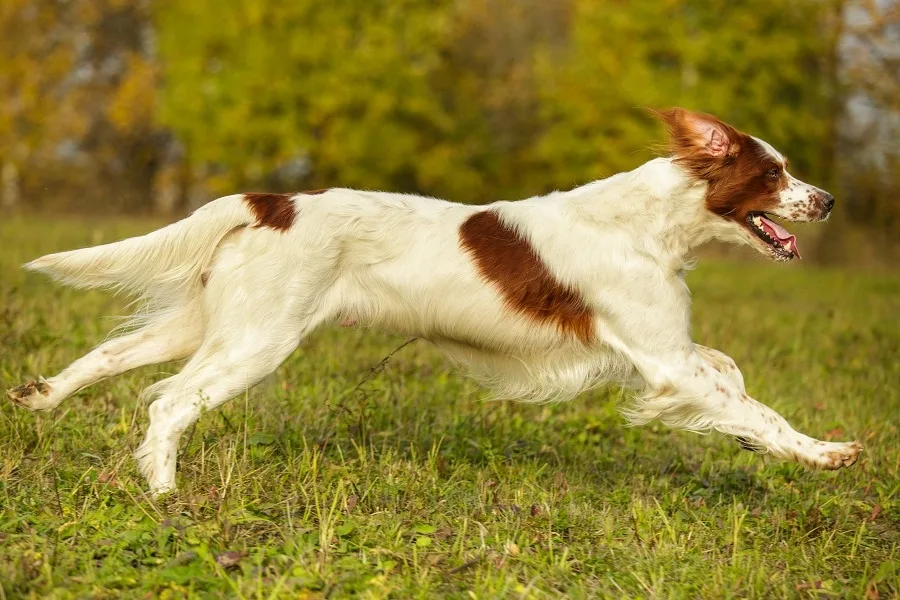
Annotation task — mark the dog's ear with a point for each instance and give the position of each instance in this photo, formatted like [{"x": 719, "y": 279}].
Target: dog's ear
[{"x": 698, "y": 139}]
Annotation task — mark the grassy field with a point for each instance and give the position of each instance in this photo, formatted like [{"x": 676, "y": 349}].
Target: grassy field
[{"x": 413, "y": 486}]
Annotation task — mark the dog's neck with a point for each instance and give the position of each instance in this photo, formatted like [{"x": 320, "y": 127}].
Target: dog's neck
[{"x": 662, "y": 201}]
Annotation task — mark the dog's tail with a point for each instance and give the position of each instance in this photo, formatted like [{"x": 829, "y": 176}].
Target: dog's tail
[{"x": 160, "y": 264}]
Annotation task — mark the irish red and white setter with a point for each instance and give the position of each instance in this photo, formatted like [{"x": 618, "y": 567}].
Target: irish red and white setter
[{"x": 541, "y": 299}]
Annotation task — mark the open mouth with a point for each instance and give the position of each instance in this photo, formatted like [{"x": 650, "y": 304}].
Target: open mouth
[{"x": 782, "y": 242}]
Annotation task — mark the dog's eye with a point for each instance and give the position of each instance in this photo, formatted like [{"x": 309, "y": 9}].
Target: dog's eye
[{"x": 772, "y": 173}]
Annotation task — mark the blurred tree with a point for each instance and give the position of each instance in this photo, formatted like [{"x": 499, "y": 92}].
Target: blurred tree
[
  {"x": 37, "y": 55},
  {"x": 477, "y": 99},
  {"x": 77, "y": 112},
  {"x": 762, "y": 66},
  {"x": 487, "y": 81},
  {"x": 305, "y": 92},
  {"x": 870, "y": 169}
]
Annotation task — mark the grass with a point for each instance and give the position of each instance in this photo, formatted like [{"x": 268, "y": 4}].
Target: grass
[{"x": 412, "y": 486}]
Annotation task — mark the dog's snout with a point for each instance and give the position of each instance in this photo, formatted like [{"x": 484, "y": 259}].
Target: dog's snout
[{"x": 827, "y": 201}]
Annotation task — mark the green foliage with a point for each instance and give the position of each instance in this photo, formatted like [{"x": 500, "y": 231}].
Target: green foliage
[
  {"x": 414, "y": 487},
  {"x": 343, "y": 84},
  {"x": 481, "y": 99},
  {"x": 760, "y": 66}
]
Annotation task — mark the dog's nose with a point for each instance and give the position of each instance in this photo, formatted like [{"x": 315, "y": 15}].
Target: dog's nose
[{"x": 827, "y": 201}]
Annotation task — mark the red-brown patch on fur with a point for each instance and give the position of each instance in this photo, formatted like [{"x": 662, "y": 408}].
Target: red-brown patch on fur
[
  {"x": 744, "y": 186},
  {"x": 315, "y": 192},
  {"x": 272, "y": 210},
  {"x": 739, "y": 180},
  {"x": 509, "y": 262},
  {"x": 204, "y": 278}
]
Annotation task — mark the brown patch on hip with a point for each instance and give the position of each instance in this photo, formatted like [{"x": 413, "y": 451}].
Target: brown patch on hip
[
  {"x": 272, "y": 210},
  {"x": 509, "y": 262}
]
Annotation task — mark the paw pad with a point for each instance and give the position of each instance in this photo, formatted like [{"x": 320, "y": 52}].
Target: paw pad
[{"x": 22, "y": 392}]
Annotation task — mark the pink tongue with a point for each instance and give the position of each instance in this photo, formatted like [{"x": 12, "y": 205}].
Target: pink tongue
[{"x": 781, "y": 234}]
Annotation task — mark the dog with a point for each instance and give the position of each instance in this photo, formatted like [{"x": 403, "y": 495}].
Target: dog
[{"x": 541, "y": 299}]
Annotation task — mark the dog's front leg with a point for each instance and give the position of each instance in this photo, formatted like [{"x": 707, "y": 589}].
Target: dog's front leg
[
  {"x": 722, "y": 363},
  {"x": 704, "y": 390}
]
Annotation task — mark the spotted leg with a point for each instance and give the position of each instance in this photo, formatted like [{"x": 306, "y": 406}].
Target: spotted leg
[{"x": 166, "y": 340}]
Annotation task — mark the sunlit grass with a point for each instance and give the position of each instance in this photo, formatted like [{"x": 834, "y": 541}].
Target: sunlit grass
[{"x": 414, "y": 486}]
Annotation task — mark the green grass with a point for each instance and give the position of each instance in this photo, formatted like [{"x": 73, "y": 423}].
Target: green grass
[{"x": 414, "y": 486}]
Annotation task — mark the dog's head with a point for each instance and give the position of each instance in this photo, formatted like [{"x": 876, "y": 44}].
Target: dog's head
[{"x": 748, "y": 182}]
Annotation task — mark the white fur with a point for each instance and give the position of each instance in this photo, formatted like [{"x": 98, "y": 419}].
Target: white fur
[
  {"x": 394, "y": 262},
  {"x": 797, "y": 201}
]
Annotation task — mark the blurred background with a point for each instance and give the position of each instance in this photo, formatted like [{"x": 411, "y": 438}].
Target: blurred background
[{"x": 157, "y": 106}]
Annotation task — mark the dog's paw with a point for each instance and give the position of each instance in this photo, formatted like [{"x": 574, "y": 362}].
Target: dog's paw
[
  {"x": 836, "y": 455},
  {"x": 156, "y": 462},
  {"x": 34, "y": 395}
]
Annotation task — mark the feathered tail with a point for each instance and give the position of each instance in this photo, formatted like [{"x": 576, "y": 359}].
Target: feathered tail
[{"x": 159, "y": 264}]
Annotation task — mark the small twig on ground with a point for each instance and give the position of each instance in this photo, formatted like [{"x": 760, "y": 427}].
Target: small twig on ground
[
  {"x": 467, "y": 565},
  {"x": 374, "y": 371}
]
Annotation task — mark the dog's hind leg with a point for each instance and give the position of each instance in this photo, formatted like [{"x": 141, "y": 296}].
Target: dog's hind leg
[
  {"x": 228, "y": 363},
  {"x": 255, "y": 318},
  {"x": 170, "y": 337}
]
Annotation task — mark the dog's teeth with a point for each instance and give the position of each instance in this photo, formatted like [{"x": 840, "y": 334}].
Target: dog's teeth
[{"x": 757, "y": 221}]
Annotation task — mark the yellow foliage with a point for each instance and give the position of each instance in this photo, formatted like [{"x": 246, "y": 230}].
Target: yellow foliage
[{"x": 132, "y": 105}]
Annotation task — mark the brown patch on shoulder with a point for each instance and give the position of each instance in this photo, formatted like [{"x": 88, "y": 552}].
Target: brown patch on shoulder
[
  {"x": 315, "y": 192},
  {"x": 276, "y": 211},
  {"x": 510, "y": 263}
]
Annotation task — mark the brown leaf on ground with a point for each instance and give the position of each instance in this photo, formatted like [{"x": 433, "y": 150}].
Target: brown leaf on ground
[
  {"x": 231, "y": 558},
  {"x": 107, "y": 478},
  {"x": 872, "y": 591},
  {"x": 809, "y": 585},
  {"x": 876, "y": 510}
]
